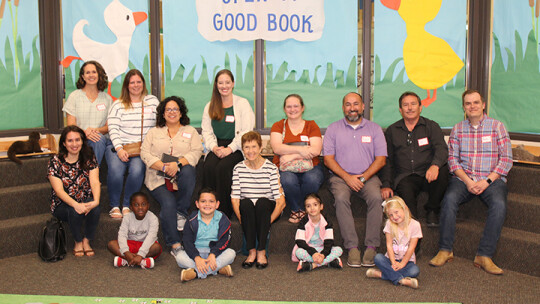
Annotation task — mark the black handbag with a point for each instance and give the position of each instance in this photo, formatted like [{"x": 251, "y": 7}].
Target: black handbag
[{"x": 52, "y": 241}]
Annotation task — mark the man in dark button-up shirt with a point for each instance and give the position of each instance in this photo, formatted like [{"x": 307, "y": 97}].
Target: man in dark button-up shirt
[{"x": 417, "y": 159}]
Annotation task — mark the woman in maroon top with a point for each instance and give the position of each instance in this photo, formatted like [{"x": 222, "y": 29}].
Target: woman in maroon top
[{"x": 297, "y": 139}]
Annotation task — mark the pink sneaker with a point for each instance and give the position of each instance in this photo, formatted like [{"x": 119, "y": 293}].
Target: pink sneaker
[
  {"x": 119, "y": 262},
  {"x": 147, "y": 263}
]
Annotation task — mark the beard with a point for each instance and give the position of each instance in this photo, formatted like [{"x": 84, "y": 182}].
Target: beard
[{"x": 352, "y": 118}]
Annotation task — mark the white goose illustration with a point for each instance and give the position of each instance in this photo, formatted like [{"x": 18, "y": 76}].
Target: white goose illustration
[{"x": 113, "y": 57}]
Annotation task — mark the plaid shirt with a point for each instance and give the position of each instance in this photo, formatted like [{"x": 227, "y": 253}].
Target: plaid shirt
[{"x": 480, "y": 151}]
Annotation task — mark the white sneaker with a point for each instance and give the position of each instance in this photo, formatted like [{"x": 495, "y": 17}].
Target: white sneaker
[
  {"x": 119, "y": 262},
  {"x": 147, "y": 263},
  {"x": 180, "y": 222}
]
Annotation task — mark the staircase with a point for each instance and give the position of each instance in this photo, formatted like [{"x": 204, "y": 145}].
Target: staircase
[{"x": 25, "y": 207}]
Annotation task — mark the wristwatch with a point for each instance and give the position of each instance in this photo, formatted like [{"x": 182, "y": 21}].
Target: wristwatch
[
  {"x": 489, "y": 181},
  {"x": 362, "y": 179}
]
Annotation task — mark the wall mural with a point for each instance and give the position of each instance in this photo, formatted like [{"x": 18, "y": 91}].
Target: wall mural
[
  {"x": 20, "y": 72},
  {"x": 515, "y": 70},
  {"x": 114, "y": 33},
  {"x": 420, "y": 47}
]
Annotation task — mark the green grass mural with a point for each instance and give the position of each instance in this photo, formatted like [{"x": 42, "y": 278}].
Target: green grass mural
[
  {"x": 514, "y": 89},
  {"x": 197, "y": 92},
  {"x": 20, "y": 76},
  {"x": 322, "y": 101},
  {"x": 446, "y": 110}
]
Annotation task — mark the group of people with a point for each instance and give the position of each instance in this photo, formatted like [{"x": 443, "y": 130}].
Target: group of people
[{"x": 155, "y": 144}]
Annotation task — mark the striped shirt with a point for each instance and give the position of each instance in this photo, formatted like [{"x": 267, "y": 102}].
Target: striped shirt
[
  {"x": 125, "y": 124},
  {"x": 480, "y": 151},
  {"x": 256, "y": 183}
]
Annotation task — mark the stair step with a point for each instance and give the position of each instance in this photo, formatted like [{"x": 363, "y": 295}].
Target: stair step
[
  {"x": 517, "y": 250},
  {"x": 25, "y": 200},
  {"x": 524, "y": 179},
  {"x": 32, "y": 171},
  {"x": 522, "y": 212}
]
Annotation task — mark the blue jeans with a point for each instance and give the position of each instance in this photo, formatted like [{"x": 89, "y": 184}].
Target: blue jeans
[
  {"x": 494, "y": 197},
  {"x": 115, "y": 177},
  {"x": 222, "y": 260},
  {"x": 66, "y": 213},
  {"x": 175, "y": 202},
  {"x": 99, "y": 147},
  {"x": 298, "y": 185},
  {"x": 385, "y": 266}
]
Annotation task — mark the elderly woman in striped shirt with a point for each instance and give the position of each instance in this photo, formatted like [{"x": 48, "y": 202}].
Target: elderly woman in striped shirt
[
  {"x": 257, "y": 198},
  {"x": 130, "y": 118}
]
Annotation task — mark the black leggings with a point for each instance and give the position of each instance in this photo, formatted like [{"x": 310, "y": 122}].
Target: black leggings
[{"x": 256, "y": 221}]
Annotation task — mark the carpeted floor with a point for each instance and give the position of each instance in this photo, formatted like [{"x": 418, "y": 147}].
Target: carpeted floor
[{"x": 95, "y": 277}]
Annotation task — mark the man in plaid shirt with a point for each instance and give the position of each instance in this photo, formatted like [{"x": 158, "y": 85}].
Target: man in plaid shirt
[{"x": 479, "y": 156}]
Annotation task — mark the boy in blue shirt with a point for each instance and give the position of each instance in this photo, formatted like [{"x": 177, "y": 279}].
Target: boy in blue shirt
[{"x": 206, "y": 237}]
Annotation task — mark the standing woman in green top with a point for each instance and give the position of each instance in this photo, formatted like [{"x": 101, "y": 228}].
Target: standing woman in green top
[{"x": 225, "y": 119}]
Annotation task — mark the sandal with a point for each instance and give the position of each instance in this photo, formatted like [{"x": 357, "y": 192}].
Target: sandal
[
  {"x": 89, "y": 252},
  {"x": 294, "y": 219},
  {"x": 78, "y": 253},
  {"x": 300, "y": 214},
  {"x": 125, "y": 211},
  {"x": 115, "y": 213}
]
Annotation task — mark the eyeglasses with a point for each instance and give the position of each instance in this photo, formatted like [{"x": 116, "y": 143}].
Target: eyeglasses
[
  {"x": 409, "y": 139},
  {"x": 172, "y": 110}
]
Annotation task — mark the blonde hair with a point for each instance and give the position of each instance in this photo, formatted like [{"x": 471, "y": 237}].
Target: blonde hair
[{"x": 396, "y": 202}]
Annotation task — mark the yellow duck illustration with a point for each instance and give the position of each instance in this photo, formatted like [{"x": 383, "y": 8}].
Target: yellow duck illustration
[{"x": 429, "y": 61}]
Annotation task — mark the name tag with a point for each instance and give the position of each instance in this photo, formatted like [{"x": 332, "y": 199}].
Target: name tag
[
  {"x": 101, "y": 107},
  {"x": 304, "y": 138},
  {"x": 186, "y": 135},
  {"x": 366, "y": 139},
  {"x": 486, "y": 139},
  {"x": 229, "y": 118},
  {"x": 423, "y": 141},
  {"x": 147, "y": 110}
]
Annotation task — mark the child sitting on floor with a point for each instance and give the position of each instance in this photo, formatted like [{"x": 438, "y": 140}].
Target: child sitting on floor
[
  {"x": 137, "y": 237},
  {"x": 315, "y": 239},
  {"x": 402, "y": 234},
  {"x": 206, "y": 236}
]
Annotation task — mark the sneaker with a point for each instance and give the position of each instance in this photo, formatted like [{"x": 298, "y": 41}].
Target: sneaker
[
  {"x": 354, "y": 258},
  {"x": 119, "y": 262},
  {"x": 226, "y": 271},
  {"x": 304, "y": 266},
  {"x": 369, "y": 255},
  {"x": 336, "y": 264},
  {"x": 175, "y": 251},
  {"x": 373, "y": 273},
  {"x": 147, "y": 263},
  {"x": 188, "y": 275},
  {"x": 180, "y": 222},
  {"x": 432, "y": 220}
]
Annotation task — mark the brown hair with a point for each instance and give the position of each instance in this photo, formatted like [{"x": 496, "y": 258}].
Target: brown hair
[
  {"x": 252, "y": 136},
  {"x": 215, "y": 110},
  {"x": 124, "y": 94},
  {"x": 469, "y": 92},
  {"x": 409, "y": 93},
  {"x": 103, "y": 80},
  {"x": 293, "y": 95}
]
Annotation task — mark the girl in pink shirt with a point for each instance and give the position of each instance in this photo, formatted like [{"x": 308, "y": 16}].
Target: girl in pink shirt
[{"x": 402, "y": 234}]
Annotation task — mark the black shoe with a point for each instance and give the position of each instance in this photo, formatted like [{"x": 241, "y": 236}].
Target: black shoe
[
  {"x": 247, "y": 265},
  {"x": 336, "y": 264},
  {"x": 261, "y": 265},
  {"x": 432, "y": 220},
  {"x": 304, "y": 266}
]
